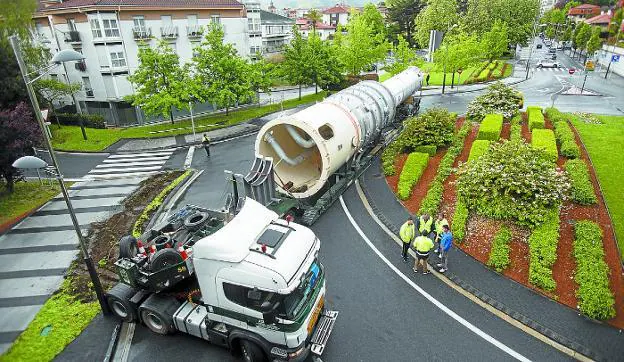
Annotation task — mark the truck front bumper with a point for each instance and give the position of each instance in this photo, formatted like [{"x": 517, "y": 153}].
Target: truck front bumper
[{"x": 323, "y": 329}]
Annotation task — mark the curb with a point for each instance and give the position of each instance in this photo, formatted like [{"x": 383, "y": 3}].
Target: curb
[
  {"x": 486, "y": 298},
  {"x": 475, "y": 90},
  {"x": 157, "y": 215}
]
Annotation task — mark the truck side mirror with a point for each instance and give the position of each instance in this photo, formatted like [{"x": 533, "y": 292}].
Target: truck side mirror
[{"x": 269, "y": 312}]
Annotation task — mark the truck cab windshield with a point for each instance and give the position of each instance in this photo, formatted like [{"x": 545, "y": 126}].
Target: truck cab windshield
[{"x": 294, "y": 302}]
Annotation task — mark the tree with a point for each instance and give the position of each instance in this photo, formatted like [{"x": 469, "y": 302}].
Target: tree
[
  {"x": 261, "y": 75},
  {"x": 594, "y": 43},
  {"x": 225, "y": 77},
  {"x": 457, "y": 52},
  {"x": 295, "y": 66},
  {"x": 616, "y": 22},
  {"x": 403, "y": 13},
  {"x": 323, "y": 63},
  {"x": 51, "y": 90},
  {"x": 581, "y": 37},
  {"x": 19, "y": 132},
  {"x": 314, "y": 16},
  {"x": 404, "y": 56},
  {"x": 359, "y": 48},
  {"x": 495, "y": 42},
  {"x": 160, "y": 81},
  {"x": 519, "y": 16},
  {"x": 372, "y": 17},
  {"x": 569, "y": 5},
  {"x": 437, "y": 15}
]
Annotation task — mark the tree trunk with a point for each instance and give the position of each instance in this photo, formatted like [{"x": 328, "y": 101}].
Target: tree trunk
[
  {"x": 9, "y": 182},
  {"x": 55, "y": 115},
  {"x": 299, "y": 91},
  {"x": 452, "y": 80},
  {"x": 171, "y": 115},
  {"x": 227, "y": 110},
  {"x": 316, "y": 87}
]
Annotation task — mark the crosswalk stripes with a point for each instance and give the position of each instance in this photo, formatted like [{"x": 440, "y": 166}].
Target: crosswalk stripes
[
  {"x": 558, "y": 69},
  {"x": 130, "y": 165}
]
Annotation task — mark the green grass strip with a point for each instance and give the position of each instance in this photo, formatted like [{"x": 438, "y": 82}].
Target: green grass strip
[{"x": 26, "y": 196}]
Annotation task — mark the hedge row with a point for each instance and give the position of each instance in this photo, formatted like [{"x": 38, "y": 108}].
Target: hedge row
[
  {"x": 431, "y": 202},
  {"x": 516, "y": 128},
  {"x": 582, "y": 188},
  {"x": 545, "y": 140},
  {"x": 499, "y": 253},
  {"x": 536, "y": 118},
  {"x": 428, "y": 149},
  {"x": 592, "y": 272},
  {"x": 543, "y": 251},
  {"x": 414, "y": 167},
  {"x": 564, "y": 134},
  {"x": 459, "y": 220},
  {"x": 479, "y": 147},
  {"x": 387, "y": 158},
  {"x": 491, "y": 127},
  {"x": 88, "y": 120}
]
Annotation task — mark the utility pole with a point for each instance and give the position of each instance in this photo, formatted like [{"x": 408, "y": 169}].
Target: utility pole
[{"x": 445, "y": 57}]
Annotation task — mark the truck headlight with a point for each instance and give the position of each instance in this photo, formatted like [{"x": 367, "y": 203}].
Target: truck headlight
[{"x": 296, "y": 353}]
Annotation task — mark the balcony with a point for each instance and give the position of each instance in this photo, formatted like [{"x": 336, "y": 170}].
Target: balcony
[
  {"x": 81, "y": 65},
  {"x": 169, "y": 32},
  {"x": 89, "y": 92},
  {"x": 142, "y": 33},
  {"x": 194, "y": 31},
  {"x": 72, "y": 36}
]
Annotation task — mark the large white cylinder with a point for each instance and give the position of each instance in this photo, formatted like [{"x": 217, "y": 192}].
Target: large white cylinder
[{"x": 309, "y": 146}]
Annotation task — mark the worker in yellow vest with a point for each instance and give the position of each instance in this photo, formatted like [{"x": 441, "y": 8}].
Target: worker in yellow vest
[
  {"x": 407, "y": 234},
  {"x": 425, "y": 226},
  {"x": 439, "y": 229},
  {"x": 422, "y": 245}
]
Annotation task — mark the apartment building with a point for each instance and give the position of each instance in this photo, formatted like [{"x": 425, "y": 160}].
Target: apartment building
[
  {"x": 336, "y": 15},
  {"x": 109, "y": 34},
  {"x": 276, "y": 32}
]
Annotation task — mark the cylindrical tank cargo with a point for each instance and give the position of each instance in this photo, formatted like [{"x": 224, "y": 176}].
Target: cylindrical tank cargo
[{"x": 310, "y": 145}]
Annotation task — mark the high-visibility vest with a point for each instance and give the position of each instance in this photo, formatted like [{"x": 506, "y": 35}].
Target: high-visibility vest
[
  {"x": 423, "y": 244},
  {"x": 206, "y": 140},
  {"x": 439, "y": 226},
  {"x": 407, "y": 232},
  {"x": 425, "y": 226}
]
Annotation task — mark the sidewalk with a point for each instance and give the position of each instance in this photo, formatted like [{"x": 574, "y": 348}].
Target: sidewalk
[
  {"x": 598, "y": 341},
  {"x": 516, "y": 77}
]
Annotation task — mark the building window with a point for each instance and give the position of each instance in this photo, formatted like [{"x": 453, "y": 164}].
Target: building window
[
  {"x": 86, "y": 83},
  {"x": 166, "y": 20},
  {"x": 118, "y": 59},
  {"x": 139, "y": 22},
  {"x": 254, "y": 49},
  {"x": 110, "y": 28},
  {"x": 95, "y": 28},
  {"x": 71, "y": 24},
  {"x": 192, "y": 19},
  {"x": 215, "y": 19}
]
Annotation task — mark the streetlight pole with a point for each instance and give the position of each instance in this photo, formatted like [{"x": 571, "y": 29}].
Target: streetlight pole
[
  {"x": 99, "y": 291},
  {"x": 445, "y": 57}
]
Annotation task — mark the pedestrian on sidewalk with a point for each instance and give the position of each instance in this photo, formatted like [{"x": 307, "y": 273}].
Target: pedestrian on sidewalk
[
  {"x": 439, "y": 224},
  {"x": 407, "y": 234},
  {"x": 206, "y": 143},
  {"x": 422, "y": 246},
  {"x": 446, "y": 242}
]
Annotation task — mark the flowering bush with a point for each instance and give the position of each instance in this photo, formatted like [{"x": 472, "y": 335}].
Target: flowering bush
[
  {"x": 434, "y": 127},
  {"x": 512, "y": 181},
  {"x": 498, "y": 99}
]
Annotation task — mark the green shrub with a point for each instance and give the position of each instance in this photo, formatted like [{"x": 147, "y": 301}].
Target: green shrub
[
  {"x": 536, "y": 118},
  {"x": 499, "y": 253},
  {"x": 491, "y": 127},
  {"x": 434, "y": 127},
  {"x": 479, "y": 147},
  {"x": 512, "y": 181},
  {"x": 544, "y": 139},
  {"x": 428, "y": 149},
  {"x": 516, "y": 128},
  {"x": 563, "y": 133},
  {"x": 412, "y": 170},
  {"x": 581, "y": 186},
  {"x": 592, "y": 272},
  {"x": 431, "y": 202},
  {"x": 388, "y": 157},
  {"x": 499, "y": 98},
  {"x": 543, "y": 251},
  {"x": 88, "y": 120},
  {"x": 460, "y": 217}
]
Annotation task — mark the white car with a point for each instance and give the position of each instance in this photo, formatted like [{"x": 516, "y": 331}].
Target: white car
[{"x": 545, "y": 63}]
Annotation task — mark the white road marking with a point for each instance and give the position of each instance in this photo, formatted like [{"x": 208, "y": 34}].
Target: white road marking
[
  {"x": 132, "y": 164},
  {"x": 118, "y": 175},
  {"x": 428, "y": 296},
  {"x": 127, "y": 169},
  {"x": 135, "y": 155},
  {"x": 189, "y": 157},
  {"x": 134, "y": 159}
]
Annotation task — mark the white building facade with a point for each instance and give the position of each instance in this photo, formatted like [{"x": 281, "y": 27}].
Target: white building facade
[
  {"x": 109, "y": 34},
  {"x": 276, "y": 32}
]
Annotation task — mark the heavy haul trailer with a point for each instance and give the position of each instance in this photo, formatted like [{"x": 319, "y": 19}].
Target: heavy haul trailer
[
  {"x": 312, "y": 156},
  {"x": 251, "y": 282}
]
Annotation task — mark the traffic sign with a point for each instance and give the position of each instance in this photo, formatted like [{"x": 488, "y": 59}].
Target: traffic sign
[
  {"x": 571, "y": 71},
  {"x": 615, "y": 58}
]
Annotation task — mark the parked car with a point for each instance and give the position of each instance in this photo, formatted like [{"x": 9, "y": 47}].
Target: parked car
[
  {"x": 552, "y": 51},
  {"x": 553, "y": 57},
  {"x": 547, "y": 63},
  {"x": 548, "y": 43},
  {"x": 539, "y": 46}
]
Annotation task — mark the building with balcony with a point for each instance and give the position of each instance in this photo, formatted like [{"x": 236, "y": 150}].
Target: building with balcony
[
  {"x": 337, "y": 15},
  {"x": 583, "y": 11},
  {"x": 276, "y": 32},
  {"x": 324, "y": 31},
  {"x": 109, "y": 34}
]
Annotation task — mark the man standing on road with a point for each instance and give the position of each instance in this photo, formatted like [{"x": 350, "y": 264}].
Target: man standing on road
[
  {"x": 206, "y": 143},
  {"x": 423, "y": 246},
  {"x": 439, "y": 224},
  {"x": 407, "y": 234},
  {"x": 446, "y": 241}
]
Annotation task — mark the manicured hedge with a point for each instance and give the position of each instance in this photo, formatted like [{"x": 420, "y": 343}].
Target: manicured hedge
[
  {"x": 414, "y": 167},
  {"x": 499, "y": 253},
  {"x": 592, "y": 272},
  {"x": 460, "y": 217},
  {"x": 516, "y": 128},
  {"x": 428, "y": 149},
  {"x": 543, "y": 251},
  {"x": 545, "y": 140},
  {"x": 536, "y": 118},
  {"x": 479, "y": 147},
  {"x": 431, "y": 202},
  {"x": 387, "y": 158},
  {"x": 582, "y": 188},
  {"x": 563, "y": 133},
  {"x": 491, "y": 127},
  {"x": 88, "y": 120}
]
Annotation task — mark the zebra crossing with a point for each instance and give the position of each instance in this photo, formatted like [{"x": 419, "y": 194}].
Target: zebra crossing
[
  {"x": 130, "y": 165},
  {"x": 558, "y": 69}
]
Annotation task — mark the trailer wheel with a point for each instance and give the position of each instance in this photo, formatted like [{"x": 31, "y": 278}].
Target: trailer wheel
[
  {"x": 161, "y": 241},
  {"x": 128, "y": 247},
  {"x": 251, "y": 352},
  {"x": 165, "y": 258},
  {"x": 118, "y": 299},
  {"x": 157, "y": 313},
  {"x": 194, "y": 221}
]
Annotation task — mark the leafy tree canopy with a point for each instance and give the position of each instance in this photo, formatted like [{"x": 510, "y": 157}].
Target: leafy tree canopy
[
  {"x": 404, "y": 56},
  {"x": 359, "y": 48},
  {"x": 403, "y": 13},
  {"x": 437, "y": 15}
]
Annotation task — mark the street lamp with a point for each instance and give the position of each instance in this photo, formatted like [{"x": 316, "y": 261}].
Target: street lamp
[
  {"x": 66, "y": 55},
  {"x": 445, "y": 57}
]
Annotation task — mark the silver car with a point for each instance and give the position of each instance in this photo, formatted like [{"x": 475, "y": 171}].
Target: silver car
[{"x": 545, "y": 63}]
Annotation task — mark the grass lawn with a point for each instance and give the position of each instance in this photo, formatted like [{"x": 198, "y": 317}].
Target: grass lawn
[
  {"x": 69, "y": 138},
  {"x": 25, "y": 197},
  {"x": 600, "y": 140}
]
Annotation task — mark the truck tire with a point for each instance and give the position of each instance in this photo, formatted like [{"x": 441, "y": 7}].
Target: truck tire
[
  {"x": 161, "y": 241},
  {"x": 194, "y": 221},
  {"x": 165, "y": 258},
  {"x": 251, "y": 352},
  {"x": 157, "y": 313},
  {"x": 128, "y": 247},
  {"x": 118, "y": 299}
]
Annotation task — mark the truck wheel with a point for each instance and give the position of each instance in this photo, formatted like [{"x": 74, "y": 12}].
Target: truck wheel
[
  {"x": 194, "y": 221},
  {"x": 118, "y": 299},
  {"x": 251, "y": 352},
  {"x": 128, "y": 247},
  {"x": 165, "y": 258},
  {"x": 157, "y": 313},
  {"x": 161, "y": 241}
]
